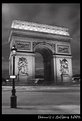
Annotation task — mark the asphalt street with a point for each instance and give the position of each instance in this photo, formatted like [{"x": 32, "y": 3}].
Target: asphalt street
[{"x": 38, "y": 100}]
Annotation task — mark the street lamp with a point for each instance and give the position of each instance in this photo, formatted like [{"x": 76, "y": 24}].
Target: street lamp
[{"x": 13, "y": 96}]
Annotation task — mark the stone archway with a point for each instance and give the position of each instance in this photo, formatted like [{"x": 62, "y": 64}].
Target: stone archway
[
  {"x": 47, "y": 62},
  {"x": 52, "y": 42}
]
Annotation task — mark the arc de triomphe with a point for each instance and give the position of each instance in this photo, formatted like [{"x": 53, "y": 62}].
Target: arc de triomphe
[{"x": 52, "y": 42}]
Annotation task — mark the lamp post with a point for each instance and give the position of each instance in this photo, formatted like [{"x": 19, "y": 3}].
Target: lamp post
[{"x": 13, "y": 96}]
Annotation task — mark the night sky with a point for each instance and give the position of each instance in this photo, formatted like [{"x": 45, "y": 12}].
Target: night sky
[{"x": 66, "y": 15}]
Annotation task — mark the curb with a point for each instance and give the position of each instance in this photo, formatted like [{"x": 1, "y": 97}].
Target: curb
[{"x": 31, "y": 88}]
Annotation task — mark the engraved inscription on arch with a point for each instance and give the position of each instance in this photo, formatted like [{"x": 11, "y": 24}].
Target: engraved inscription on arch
[
  {"x": 22, "y": 45},
  {"x": 63, "y": 49}
]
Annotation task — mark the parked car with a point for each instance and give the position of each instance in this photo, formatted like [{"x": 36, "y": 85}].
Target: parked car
[
  {"x": 39, "y": 80},
  {"x": 76, "y": 79}
]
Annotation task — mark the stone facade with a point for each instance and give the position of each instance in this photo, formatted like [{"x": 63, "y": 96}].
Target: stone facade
[{"x": 52, "y": 42}]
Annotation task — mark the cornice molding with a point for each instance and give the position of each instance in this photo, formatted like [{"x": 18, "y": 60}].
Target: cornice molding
[{"x": 22, "y": 25}]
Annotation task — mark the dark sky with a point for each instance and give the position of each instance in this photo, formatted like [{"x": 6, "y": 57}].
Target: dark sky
[{"x": 67, "y": 15}]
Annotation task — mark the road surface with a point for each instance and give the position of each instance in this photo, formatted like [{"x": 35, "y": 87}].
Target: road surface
[{"x": 48, "y": 101}]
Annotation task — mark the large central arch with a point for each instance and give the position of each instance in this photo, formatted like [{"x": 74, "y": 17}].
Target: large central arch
[{"x": 47, "y": 62}]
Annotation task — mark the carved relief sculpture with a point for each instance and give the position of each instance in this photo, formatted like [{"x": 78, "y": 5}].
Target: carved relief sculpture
[
  {"x": 23, "y": 45},
  {"x": 64, "y": 66},
  {"x": 22, "y": 66}
]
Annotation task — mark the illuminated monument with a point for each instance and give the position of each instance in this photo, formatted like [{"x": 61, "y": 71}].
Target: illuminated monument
[{"x": 52, "y": 42}]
